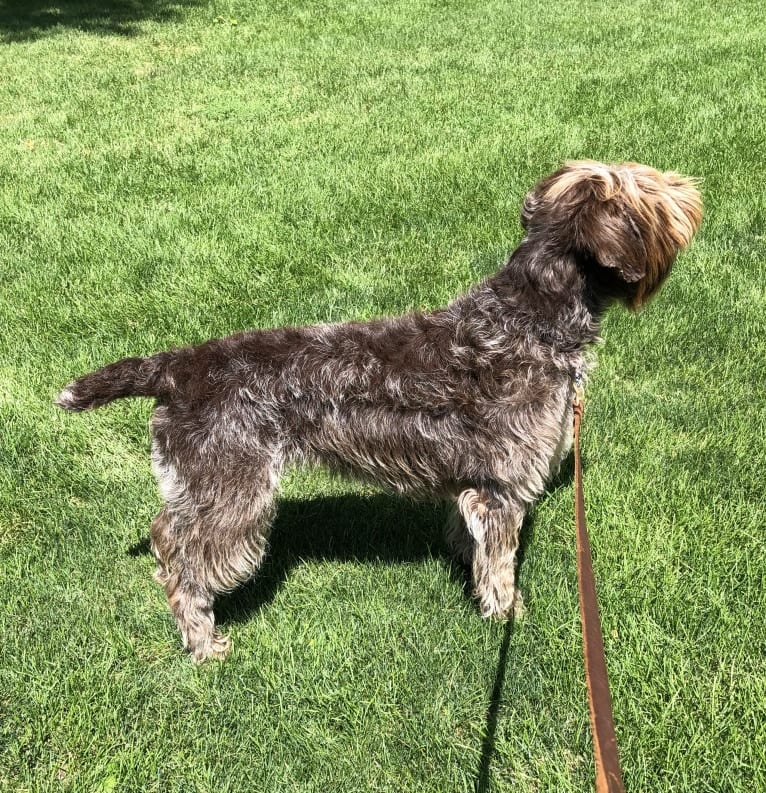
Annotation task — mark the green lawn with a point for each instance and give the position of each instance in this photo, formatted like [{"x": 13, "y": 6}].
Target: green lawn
[{"x": 173, "y": 171}]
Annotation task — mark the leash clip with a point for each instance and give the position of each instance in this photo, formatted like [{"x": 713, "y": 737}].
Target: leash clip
[{"x": 579, "y": 390}]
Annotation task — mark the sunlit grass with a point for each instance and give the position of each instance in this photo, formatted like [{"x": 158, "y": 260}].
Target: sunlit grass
[{"x": 171, "y": 172}]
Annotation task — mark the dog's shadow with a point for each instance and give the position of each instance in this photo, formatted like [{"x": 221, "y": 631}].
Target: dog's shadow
[
  {"x": 350, "y": 527},
  {"x": 353, "y": 527},
  {"x": 372, "y": 528},
  {"x": 343, "y": 528}
]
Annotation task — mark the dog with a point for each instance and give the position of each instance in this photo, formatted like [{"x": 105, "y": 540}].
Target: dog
[{"x": 471, "y": 403}]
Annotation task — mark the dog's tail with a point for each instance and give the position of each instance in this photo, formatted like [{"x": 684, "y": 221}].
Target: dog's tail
[{"x": 130, "y": 377}]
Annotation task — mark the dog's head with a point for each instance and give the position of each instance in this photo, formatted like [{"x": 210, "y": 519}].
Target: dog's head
[{"x": 630, "y": 219}]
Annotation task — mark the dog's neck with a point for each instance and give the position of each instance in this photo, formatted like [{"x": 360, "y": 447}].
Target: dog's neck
[{"x": 548, "y": 295}]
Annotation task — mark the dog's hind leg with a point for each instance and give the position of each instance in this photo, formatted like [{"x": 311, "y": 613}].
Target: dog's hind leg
[
  {"x": 191, "y": 602},
  {"x": 209, "y": 544},
  {"x": 494, "y": 524}
]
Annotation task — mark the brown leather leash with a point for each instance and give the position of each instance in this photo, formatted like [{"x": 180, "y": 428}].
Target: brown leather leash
[{"x": 608, "y": 774}]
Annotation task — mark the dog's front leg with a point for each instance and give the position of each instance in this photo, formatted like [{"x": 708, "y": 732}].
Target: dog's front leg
[{"x": 494, "y": 523}]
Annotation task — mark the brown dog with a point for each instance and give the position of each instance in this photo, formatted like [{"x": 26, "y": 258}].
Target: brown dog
[{"x": 471, "y": 402}]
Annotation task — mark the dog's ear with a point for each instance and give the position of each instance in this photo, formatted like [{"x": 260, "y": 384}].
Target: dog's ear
[
  {"x": 606, "y": 230},
  {"x": 582, "y": 207}
]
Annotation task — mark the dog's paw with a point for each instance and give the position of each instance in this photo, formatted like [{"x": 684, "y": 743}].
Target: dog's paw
[
  {"x": 218, "y": 648},
  {"x": 503, "y": 606}
]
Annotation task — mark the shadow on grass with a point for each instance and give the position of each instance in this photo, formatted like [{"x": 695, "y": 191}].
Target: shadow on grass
[
  {"x": 359, "y": 528},
  {"x": 493, "y": 712},
  {"x": 349, "y": 527},
  {"x": 25, "y": 20},
  {"x": 378, "y": 528}
]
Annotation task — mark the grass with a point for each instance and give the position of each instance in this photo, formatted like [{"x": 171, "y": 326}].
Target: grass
[{"x": 173, "y": 171}]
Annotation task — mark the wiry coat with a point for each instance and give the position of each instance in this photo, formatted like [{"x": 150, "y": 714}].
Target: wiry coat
[{"x": 471, "y": 402}]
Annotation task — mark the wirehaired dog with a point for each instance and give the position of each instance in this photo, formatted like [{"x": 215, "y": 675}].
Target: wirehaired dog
[{"x": 471, "y": 403}]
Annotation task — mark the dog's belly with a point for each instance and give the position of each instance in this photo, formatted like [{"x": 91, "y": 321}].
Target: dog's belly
[{"x": 410, "y": 454}]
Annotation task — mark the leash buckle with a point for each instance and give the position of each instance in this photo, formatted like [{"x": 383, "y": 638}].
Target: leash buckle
[{"x": 579, "y": 391}]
